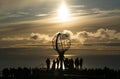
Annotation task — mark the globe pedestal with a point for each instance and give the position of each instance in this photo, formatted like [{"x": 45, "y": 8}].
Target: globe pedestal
[{"x": 61, "y": 58}]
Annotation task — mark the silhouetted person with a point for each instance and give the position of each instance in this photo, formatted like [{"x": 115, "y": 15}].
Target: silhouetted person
[
  {"x": 77, "y": 63},
  {"x": 66, "y": 63},
  {"x": 71, "y": 63},
  {"x": 12, "y": 72},
  {"x": 48, "y": 63},
  {"x": 37, "y": 73},
  {"x": 26, "y": 73},
  {"x": 53, "y": 65},
  {"x": 5, "y": 73},
  {"x": 57, "y": 62},
  {"x": 81, "y": 63}
]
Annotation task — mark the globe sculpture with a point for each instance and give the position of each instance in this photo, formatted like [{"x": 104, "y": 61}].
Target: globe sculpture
[{"x": 61, "y": 43}]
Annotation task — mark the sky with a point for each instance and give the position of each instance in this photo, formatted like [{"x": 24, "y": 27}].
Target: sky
[{"x": 31, "y": 24}]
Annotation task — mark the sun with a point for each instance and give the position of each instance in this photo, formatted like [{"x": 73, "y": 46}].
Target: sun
[{"x": 63, "y": 12}]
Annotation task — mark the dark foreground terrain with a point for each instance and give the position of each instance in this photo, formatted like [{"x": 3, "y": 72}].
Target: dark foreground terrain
[{"x": 36, "y": 73}]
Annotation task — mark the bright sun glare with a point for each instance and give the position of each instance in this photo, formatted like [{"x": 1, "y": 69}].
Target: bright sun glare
[{"x": 63, "y": 12}]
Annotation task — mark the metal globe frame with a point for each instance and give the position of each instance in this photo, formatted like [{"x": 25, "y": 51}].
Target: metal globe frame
[{"x": 61, "y": 45}]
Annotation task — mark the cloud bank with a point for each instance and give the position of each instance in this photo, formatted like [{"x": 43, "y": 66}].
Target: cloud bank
[{"x": 79, "y": 37}]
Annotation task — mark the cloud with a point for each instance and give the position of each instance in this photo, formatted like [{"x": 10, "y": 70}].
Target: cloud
[
  {"x": 42, "y": 15},
  {"x": 106, "y": 34},
  {"x": 33, "y": 10},
  {"x": 79, "y": 37},
  {"x": 14, "y": 38},
  {"x": 95, "y": 12},
  {"x": 12, "y": 11},
  {"x": 40, "y": 37},
  {"x": 104, "y": 13},
  {"x": 100, "y": 34},
  {"x": 82, "y": 36},
  {"x": 68, "y": 33},
  {"x": 77, "y": 6}
]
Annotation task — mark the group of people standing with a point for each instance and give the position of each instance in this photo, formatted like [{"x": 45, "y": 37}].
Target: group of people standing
[{"x": 68, "y": 63}]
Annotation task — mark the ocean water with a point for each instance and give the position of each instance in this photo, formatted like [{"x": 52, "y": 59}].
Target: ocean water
[{"x": 99, "y": 59}]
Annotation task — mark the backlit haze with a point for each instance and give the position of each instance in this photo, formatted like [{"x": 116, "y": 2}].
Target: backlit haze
[{"x": 27, "y": 26}]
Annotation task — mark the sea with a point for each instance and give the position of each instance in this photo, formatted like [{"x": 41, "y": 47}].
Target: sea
[{"x": 91, "y": 58}]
